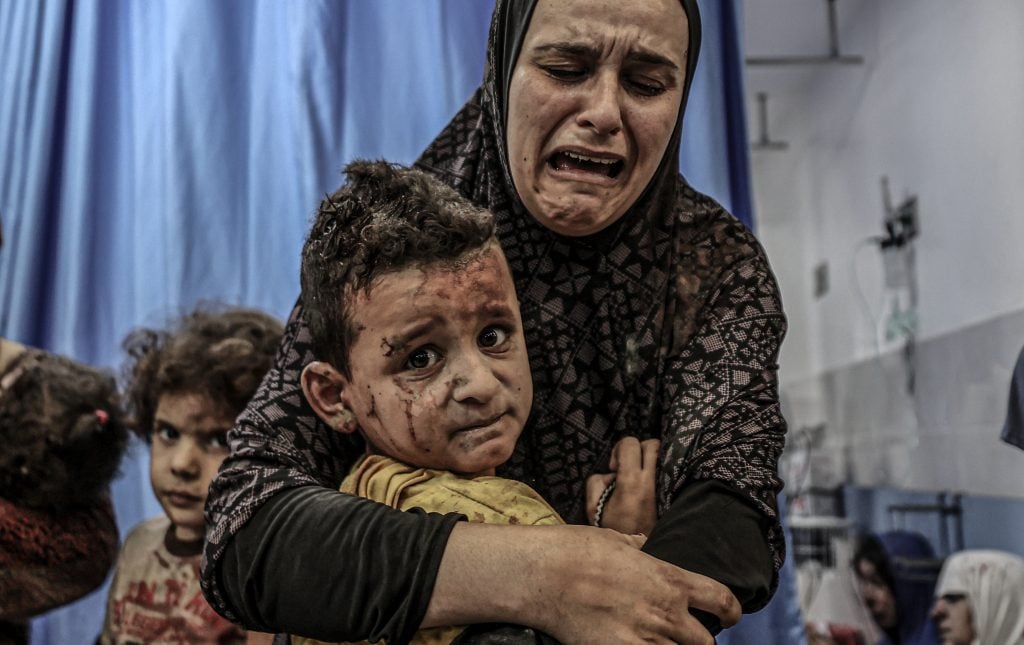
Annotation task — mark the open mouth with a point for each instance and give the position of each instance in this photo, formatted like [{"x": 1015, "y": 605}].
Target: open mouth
[{"x": 605, "y": 166}]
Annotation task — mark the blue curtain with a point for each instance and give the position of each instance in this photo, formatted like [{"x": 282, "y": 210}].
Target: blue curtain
[{"x": 154, "y": 154}]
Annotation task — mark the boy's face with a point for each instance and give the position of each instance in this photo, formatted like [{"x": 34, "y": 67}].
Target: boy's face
[
  {"x": 440, "y": 375},
  {"x": 188, "y": 445}
]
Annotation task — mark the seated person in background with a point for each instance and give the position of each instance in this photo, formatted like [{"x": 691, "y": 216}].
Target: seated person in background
[
  {"x": 896, "y": 571},
  {"x": 63, "y": 441},
  {"x": 980, "y": 599},
  {"x": 185, "y": 388},
  {"x": 416, "y": 325},
  {"x": 833, "y": 634}
]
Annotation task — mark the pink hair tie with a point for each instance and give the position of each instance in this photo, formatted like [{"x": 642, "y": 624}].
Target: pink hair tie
[{"x": 102, "y": 416}]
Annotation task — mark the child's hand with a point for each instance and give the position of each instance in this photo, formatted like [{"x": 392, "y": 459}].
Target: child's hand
[{"x": 630, "y": 508}]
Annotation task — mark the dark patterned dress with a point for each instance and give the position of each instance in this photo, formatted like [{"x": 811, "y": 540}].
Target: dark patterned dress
[{"x": 667, "y": 324}]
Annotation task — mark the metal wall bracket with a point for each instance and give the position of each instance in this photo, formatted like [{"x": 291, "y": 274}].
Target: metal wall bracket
[
  {"x": 833, "y": 57},
  {"x": 765, "y": 142}
]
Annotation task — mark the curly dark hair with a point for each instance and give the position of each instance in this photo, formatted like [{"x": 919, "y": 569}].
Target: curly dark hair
[
  {"x": 62, "y": 430},
  {"x": 222, "y": 355},
  {"x": 385, "y": 218}
]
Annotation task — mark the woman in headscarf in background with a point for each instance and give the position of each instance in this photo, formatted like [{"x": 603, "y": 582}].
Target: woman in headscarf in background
[
  {"x": 980, "y": 599},
  {"x": 897, "y": 571},
  {"x": 648, "y": 311}
]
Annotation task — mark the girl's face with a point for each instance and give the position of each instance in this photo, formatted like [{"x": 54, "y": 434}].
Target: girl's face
[
  {"x": 189, "y": 442},
  {"x": 952, "y": 615},
  {"x": 593, "y": 101}
]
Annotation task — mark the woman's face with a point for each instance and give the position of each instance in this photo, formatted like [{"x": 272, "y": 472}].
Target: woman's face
[
  {"x": 593, "y": 100},
  {"x": 952, "y": 616},
  {"x": 877, "y": 594}
]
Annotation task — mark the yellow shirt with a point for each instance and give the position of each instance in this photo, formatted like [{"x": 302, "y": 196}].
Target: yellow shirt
[{"x": 487, "y": 500}]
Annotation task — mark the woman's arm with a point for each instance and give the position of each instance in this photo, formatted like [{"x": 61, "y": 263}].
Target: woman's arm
[
  {"x": 578, "y": 583},
  {"x": 708, "y": 526},
  {"x": 322, "y": 564},
  {"x": 286, "y": 552},
  {"x": 718, "y": 485}
]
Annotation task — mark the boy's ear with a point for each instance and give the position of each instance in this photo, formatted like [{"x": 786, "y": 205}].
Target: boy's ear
[{"x": 324, "y": 387}]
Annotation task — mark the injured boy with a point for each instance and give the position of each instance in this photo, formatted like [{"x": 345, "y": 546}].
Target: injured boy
[{"x": 416, "y": 328}]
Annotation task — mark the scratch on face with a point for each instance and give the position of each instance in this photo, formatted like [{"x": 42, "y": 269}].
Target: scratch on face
[
  {"x": 408, "y": 418},
  {"x": 412, "y": 398},
  {"x": 391, "y": 347},
  {"x": 372, "y": 412}
]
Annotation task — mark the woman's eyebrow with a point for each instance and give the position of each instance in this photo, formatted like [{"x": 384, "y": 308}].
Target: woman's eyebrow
[
  {"x": 567, "y": 47},
  {"x": 580, "y": 50},
  {"x": 650, "y": 58}
]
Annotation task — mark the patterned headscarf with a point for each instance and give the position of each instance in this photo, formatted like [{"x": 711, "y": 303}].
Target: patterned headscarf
[
  {"x": 509, "y": 24},
  {"x": 614, "y": 320},
  {"x": 993, "y": 582}
]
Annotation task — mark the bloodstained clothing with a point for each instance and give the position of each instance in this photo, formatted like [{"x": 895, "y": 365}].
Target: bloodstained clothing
[
  {"x": 486, "y": 500},
  {"x": 155, "y": 596}
]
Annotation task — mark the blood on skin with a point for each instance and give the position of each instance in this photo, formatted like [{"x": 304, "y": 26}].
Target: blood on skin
[
  {"x": 402, "y": 385},
  {"x": 408, "y": 418},
  {"x": 392, "y": 349}
]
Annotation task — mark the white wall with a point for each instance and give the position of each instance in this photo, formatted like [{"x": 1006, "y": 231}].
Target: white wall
[{"x": 938, "y": 106}]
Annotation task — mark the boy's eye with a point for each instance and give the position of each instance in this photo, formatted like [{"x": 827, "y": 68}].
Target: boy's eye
[
  {"x": 422, "y": 358},
  {"x": 492, "y": 337},
  {"x": 167, "y": 433}
]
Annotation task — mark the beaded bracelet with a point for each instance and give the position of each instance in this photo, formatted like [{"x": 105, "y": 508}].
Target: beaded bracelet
[{"x": 599, "y": 511}]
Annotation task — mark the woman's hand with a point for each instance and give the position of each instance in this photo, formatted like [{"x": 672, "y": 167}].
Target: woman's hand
[
  {"x": 579, "y": 584},
  {"x": 630, "y": 508}
]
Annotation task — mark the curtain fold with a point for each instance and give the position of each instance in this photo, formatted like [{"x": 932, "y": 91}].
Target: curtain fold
[{"x": 155, "y": 154}]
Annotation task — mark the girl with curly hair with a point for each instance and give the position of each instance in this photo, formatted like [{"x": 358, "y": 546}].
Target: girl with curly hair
[{"x": 185, "y": 386}]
